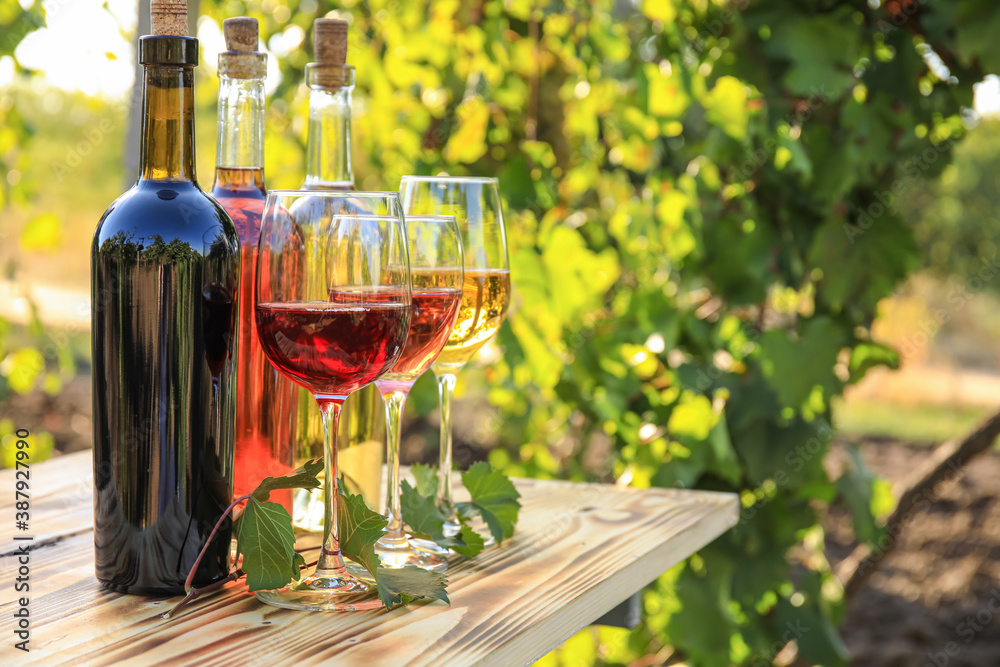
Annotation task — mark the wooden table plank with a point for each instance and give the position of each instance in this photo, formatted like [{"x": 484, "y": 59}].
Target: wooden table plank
[
  {"x": 580, "y": 549},
  {"x": 61, "y": 496}
]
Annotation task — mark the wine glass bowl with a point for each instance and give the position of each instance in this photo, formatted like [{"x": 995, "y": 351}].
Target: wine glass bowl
[{"x": 332, "y": 307}]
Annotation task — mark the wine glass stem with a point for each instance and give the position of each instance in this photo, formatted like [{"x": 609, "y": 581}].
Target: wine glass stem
[
  {"x": 395, "y": 402},
  {"x": 329, "y": 559},
  {"x": 446, "y": 392}
]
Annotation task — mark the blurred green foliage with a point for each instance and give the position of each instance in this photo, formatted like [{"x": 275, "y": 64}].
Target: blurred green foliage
[
  {"x": 956, "y": 217},
  {"x": 31, "y": 356},
  {"x": 699, "y": 203}
]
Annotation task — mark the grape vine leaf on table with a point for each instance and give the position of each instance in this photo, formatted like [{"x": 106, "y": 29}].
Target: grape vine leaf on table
[
  {"x": 400, "y": 586},
  {"x": 426, "y": 521},
  {"x": 494, "y": 498},
  {"x": 301, "y": 478},
  {"x": 360, "y": 528},
  {"x": 265, "y": 538}
]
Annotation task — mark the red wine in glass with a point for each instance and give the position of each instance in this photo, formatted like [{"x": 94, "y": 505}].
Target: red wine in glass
[
  {"x": 334, "y": 349},
  {"x": 431, "y": 320}
]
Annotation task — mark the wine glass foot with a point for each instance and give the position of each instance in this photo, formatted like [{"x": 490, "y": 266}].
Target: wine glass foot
[
  {"x": 405, "y": 553},
  {"x": 428, "y": 545},
  {"x": 333, "y": 590}
]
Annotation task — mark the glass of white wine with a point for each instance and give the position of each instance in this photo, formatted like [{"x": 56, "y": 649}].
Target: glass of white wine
[{"x": 475, "y": 203}]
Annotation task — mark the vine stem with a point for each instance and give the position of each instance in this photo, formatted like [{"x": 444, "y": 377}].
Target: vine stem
[
  {"x": 190, "y": 578},
  {"x": 308, "y": 549},
  {"x": 194, "y": 568},
  {"x": 196, "y": 593}
]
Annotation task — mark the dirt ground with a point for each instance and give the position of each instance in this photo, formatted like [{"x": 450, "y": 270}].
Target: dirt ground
[{"x": 935, "y": 600}]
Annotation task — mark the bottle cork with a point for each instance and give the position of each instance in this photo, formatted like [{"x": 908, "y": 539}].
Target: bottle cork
[
  {"x": 168, "y": 17},
  {"x": 241, "y": 34},
  {"x": 241, "y": 59},
  {"x": 330, "y": 41}
]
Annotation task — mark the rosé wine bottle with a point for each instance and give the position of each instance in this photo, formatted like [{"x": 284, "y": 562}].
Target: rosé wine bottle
[{"x": 265, "y": 400}]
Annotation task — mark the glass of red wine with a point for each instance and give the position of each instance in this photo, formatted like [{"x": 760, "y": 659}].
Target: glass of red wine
[
  {"x": 436, "y": 277},
  {"x": 332, "y": 306}
]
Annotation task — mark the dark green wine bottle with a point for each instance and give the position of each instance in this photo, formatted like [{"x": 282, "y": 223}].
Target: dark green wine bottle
[{"x": 165, "y": 268}]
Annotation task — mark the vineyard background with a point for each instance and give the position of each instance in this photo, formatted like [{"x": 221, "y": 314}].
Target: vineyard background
[{"x": 730, "y": 223}]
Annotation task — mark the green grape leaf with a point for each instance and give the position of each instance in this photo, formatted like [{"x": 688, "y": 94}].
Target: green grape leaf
[
  {"x": 426, "y": 521},
  {"x": 400, "y": 586},
  {"x": 467, "y": 543},
  {"x": 494, "y": 498},
  {"x": 359, "y": 529},
  {"x": 866, "y": 356},
  {"x": 301, "y": 478},
  {"x": 811, "y": 623},
  {"x": 976, "y": 27},
  {"x": 23, "y": 368},
  {"x": 421, "y": 513},
  {"x": 265, "y": 538},
  {"x": 794, "y": 365},
  {"x": 863, "y": 260},
  {"x": 426, "y": 478},
  {"x": 726, "y": 107},
  {"x": 820, "y": 51},
  {"x": 701, "y": 614}
]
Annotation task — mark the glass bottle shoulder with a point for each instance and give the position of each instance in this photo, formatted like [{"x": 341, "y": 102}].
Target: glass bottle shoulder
[{"x": 174, "y": 212}]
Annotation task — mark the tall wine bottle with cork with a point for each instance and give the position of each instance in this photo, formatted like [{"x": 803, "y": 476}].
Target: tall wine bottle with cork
[
  {"x": 265, "y": 400},
  {"x": 361, "y": 436},
  {"x": 165, "y": 266}
]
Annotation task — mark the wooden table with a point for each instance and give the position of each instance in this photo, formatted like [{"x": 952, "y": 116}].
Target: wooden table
[{"x": 580, "y": 549}]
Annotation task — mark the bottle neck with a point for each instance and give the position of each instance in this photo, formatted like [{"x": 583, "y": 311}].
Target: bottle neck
[
  {"x": 167, "y": 140},
  {"x": 241, "y": 110},
  {"x": 328, "y": 148}
]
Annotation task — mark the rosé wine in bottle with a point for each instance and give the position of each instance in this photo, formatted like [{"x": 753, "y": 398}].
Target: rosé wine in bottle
[{"x": 264, "y": 399}]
